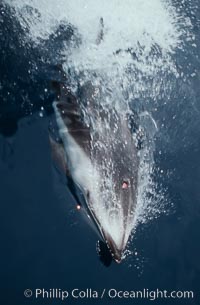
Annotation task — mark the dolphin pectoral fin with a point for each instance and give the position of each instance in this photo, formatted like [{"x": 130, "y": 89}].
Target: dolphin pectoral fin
[
  {"x": 104, "y": 253},
  {"x": 58, "y": 155}
]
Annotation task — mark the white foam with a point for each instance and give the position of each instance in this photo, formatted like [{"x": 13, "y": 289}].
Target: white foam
[
  {"x": 126, "y": 22},
  {"x": 140, "y": 25}
]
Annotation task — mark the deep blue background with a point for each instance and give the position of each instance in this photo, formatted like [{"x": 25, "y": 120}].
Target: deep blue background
[{"x": 44, "y": 242}]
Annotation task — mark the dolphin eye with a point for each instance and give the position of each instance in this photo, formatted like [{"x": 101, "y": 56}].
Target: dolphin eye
[{"x": 125, "y": 184}]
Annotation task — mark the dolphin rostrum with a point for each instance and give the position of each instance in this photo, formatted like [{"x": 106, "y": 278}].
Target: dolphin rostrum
[{"x": 99, "y": 155}]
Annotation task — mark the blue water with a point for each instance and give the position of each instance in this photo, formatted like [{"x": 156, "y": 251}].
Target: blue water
[{"x": 44, "y": 242}]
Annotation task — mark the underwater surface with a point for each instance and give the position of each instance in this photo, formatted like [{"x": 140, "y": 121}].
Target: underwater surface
[{"x": 45, "y": 242}]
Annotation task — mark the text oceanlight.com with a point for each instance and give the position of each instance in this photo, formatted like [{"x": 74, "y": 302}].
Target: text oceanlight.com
[{"x": 76, "y": 293}]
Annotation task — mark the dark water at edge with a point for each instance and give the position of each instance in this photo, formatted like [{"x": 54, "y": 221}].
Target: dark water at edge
[{"x": 44, "y": 244}]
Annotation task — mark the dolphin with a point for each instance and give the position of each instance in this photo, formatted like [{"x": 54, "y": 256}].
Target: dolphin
[{"x": 99, "y": 155}]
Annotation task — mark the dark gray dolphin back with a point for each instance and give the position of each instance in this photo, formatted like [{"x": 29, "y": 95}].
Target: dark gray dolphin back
[
  {"x": 72, "y": 116},
  {"x": 115, "y": 152}
]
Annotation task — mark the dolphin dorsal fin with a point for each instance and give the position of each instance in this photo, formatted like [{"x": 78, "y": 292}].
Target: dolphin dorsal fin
[{"x": 101, "y": 32}]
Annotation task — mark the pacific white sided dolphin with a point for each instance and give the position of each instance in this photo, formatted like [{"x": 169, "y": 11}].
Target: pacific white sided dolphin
[{"x": 98, "y": 153}]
